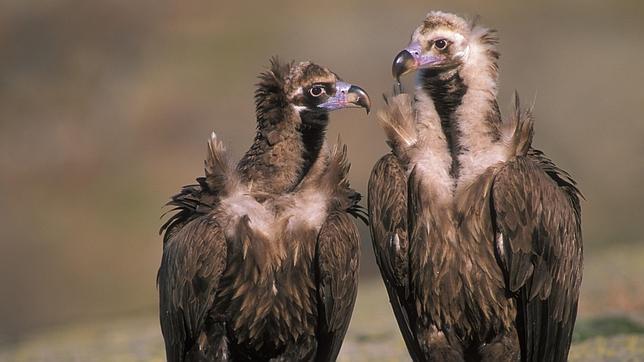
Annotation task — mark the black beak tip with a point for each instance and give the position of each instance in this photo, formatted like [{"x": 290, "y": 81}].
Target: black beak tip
[
  {"x": 403, "y": 63},
  {"x": 362, "y": 98}
]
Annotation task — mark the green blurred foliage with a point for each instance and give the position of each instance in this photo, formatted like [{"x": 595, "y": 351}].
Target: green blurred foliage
[{"x": 606, "y": 326}]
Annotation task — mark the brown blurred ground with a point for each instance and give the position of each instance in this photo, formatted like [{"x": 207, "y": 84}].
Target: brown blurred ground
[{"x": 105, "y": 107}]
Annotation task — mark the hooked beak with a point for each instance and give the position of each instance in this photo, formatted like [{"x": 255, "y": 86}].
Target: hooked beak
[
  {"x": 403, "y": 64},
  {"x": 347, "y": 95},
  {"x": 411, "y": 59}
]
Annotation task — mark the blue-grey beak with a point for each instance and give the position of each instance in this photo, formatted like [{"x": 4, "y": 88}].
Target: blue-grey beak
[
  {"x": 410, "y": 59},
  {"x": 347, "y": 95}
]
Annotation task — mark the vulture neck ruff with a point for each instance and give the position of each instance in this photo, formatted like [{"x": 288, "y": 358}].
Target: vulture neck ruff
[
  {"x": 460, "y": 104},
  {"x": 273, "y": 216}
]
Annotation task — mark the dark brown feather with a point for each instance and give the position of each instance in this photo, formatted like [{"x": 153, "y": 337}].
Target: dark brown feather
[
  {"x": 338, "y": 251},
  {"x": 194, "y": 258},
  {"x": 538, "y": 216},
  {"x": 388, "y": 215}
]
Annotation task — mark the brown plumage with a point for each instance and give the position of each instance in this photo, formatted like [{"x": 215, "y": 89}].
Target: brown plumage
[
  {"x": 477, "y": 234},
  {"x": 260, "y": 260}
]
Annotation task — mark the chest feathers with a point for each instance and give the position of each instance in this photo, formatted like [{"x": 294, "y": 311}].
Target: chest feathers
[
  {"x": 454, "y": 272},
  {"x": 269, "y": 293}
]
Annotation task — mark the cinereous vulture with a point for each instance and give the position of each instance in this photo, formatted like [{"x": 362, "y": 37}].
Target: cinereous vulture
[
  {"x": 260, "y": 259},
  {"x": 477, "y": 234}
]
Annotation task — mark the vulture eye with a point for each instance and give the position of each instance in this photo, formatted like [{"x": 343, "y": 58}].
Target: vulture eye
[
  {"x": 317, "y": 90},
  {"x": 440, "y": 44}
]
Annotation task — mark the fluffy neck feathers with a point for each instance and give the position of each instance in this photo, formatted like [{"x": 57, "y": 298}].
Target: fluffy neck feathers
[
  {"x": 478, "y": 116},
  {"x": 287, "y": 143},
  {"x": 465, "y": 101}
]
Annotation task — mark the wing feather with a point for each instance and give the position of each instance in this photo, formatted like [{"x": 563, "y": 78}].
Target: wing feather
[
  {"x": 537, "y": 216},
  {"x": 194, "y": 253},
  {"x": 388, "y": 224},
  {"x": 194, "y": 258},
  {"x": 337, "y": 257}
]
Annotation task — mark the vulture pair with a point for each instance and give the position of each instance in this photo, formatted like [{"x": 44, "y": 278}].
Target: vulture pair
[{"x": 477, "y": 235}]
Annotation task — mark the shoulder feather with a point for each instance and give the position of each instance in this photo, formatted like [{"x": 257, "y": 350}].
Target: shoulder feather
[
  {"x": 521, "y": 130},
  {"x": 220, "y": 172},
  {"x": 336, "y": 179},
  {"x": 399, "y": 123}
]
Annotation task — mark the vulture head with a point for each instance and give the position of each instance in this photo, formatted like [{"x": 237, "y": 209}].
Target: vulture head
[
  {"x": 445, "y": 42},
  {"x": 306, "y": 90},
  {"x": 293, "y": 101},
  {"x": 312, "y": 88}
]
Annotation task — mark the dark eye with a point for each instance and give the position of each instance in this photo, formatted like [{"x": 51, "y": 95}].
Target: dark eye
[
  {"x": 440, "y": 44},
  {"x": 317, "y": 90}
]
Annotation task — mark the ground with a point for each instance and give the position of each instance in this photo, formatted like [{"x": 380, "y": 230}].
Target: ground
[
  {"x": 610, "y": 326},
  {"x": 373, "y": 336}
]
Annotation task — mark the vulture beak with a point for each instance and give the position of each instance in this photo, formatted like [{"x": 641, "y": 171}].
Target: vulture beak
[
  {"x": 347, "y": 95},
  {"x": 411, "y": 59}
]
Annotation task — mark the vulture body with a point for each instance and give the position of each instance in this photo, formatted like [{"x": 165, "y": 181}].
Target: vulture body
[
  {"x": 477, "y": 234},
  {"x": 260, "y": 260}
]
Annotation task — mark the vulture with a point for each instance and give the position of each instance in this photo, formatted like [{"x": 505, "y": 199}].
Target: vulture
[
  {"x": 476, "y": 233},
  {"x": 260, "y": 259}
]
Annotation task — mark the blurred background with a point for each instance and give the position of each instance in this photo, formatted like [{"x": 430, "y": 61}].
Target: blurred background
[{"x": 106, "y": 106}]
